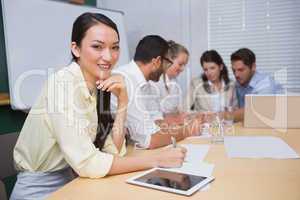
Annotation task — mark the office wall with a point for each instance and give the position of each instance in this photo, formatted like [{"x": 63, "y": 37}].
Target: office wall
[
  {"x": 184, "y": 21},
  {"x": 11, "y": 120}
]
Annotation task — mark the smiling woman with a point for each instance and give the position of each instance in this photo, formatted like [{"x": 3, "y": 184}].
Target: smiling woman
[{"x": 71, "y": 121}]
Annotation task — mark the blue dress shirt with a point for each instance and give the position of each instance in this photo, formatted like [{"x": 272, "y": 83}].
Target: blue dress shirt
[{"x": 259, "y": 84}]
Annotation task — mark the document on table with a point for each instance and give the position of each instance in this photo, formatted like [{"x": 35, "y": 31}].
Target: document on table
[
  {"x": 195, "y": 152},
  {"x": 258, "y": 147},
  {"x": 194, "y": 164},
  {"x": 200, "y": 168}
]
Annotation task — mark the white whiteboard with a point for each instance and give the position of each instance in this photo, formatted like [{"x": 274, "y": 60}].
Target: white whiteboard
[{"x": 37, "y": 40}]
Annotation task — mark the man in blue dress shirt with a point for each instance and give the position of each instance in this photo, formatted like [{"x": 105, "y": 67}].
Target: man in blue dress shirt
[{"x": 248, "y": 79}]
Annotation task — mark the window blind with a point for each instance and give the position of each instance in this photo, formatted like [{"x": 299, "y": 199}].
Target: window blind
[{"x": 270, "y": 28}]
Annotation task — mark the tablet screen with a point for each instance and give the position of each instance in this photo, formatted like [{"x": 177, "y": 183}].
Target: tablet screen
[{"x": 171, "y": 179}]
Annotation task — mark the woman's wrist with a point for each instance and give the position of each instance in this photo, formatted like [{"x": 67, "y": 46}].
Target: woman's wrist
[
  {"x": 122, "y": 106},
  {"x": 123, "y": 98},
  {"x": 154, "y": 162}
]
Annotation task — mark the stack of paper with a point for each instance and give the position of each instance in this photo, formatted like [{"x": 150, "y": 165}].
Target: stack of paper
[{"x": 258, "y": 147}]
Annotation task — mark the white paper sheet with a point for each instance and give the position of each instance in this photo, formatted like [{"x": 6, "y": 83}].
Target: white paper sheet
[
  {"x": 258, "y": 147},
  {"x": 200, "y": 168},
  {"x": 195, "y": 152}
]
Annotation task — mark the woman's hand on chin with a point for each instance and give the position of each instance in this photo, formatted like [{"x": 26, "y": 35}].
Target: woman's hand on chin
[{"x": 116, "y": 85}]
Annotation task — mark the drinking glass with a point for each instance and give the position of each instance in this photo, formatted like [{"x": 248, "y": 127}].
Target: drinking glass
[
  {"x": 216, "y": 129},
  {"x": 228, "y": 115}
]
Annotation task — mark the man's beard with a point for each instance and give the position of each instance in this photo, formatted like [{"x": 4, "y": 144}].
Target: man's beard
[{"x": 154, "y": 76}]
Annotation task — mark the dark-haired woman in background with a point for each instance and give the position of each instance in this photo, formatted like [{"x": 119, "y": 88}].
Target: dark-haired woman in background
[
  {"x": 70, "y": 125},
  {"x": 213, "y": 91}
]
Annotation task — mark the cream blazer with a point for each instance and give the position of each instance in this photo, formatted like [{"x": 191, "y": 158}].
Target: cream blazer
[{"x": 198, "y": 99}]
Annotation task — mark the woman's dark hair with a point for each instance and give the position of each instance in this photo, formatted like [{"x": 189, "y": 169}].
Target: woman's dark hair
[
  {"x": 105, "y": 120},
  {"x": 86, "y": 21},
  {"x": 214, "y": 56}
]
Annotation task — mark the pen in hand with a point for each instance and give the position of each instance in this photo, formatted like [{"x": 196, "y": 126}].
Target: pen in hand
[{"x": 173, "y": 142}]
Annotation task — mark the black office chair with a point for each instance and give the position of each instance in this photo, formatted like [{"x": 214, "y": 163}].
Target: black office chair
[
  {"x": 7, "y": 170},
  {"x": 2, "y": 191}
]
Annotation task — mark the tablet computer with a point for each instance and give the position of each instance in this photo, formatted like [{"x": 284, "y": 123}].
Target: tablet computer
[{"x": 170, "y": 181}]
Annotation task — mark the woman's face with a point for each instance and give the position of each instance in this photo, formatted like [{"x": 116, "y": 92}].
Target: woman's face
[
  {"x": 98, "y": 52},
  {"x": 212, "y": 71},
  {"x": 178, "y": 65}
]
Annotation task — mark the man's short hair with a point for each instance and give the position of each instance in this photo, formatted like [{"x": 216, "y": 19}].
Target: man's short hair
[
  {"x": 151, "y": 46},
  {"x": 245, "y": 55}
]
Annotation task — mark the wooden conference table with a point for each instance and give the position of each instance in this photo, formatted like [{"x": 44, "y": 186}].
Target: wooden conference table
[{"x": 235, "y": 179}]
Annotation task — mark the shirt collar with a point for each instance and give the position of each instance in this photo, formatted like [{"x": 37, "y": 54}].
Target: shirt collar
[
  {"x": 222, "y": 84},
  {"x": 252, "y": 83},
  {"x": 168, "y": 79},
  {"x": 75, "y": 69},
  {"x": 254, "y": 80},
  {"x": 139, "y": 76}
]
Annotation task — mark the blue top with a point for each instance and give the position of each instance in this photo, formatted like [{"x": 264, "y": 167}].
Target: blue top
[{"x": 259, "y": 84}]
